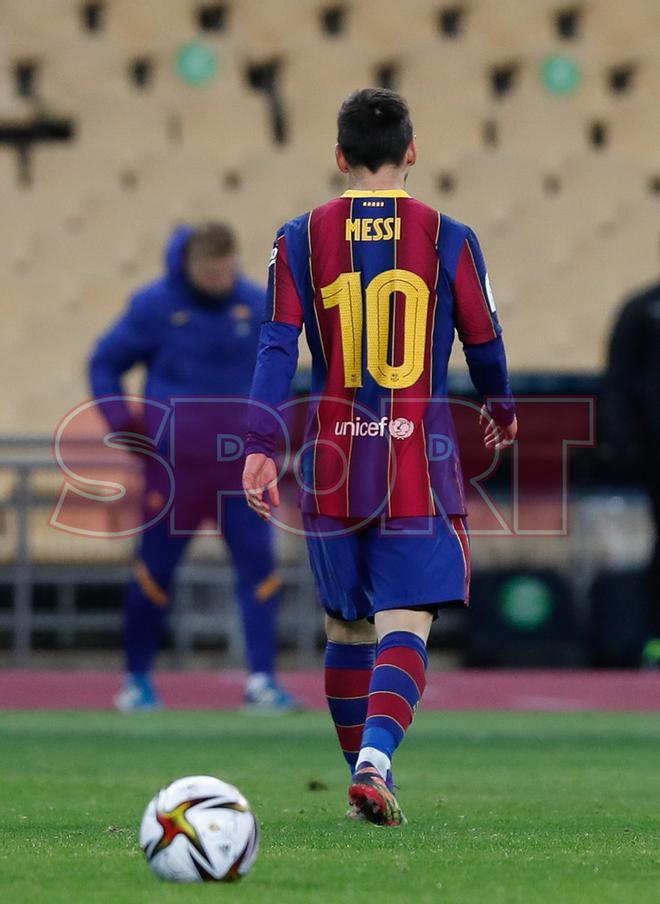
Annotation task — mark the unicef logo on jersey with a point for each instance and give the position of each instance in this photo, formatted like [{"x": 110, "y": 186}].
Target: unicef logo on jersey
[
  {"x": 401, "y": 428},
  {"x": 398, "y": 428}
]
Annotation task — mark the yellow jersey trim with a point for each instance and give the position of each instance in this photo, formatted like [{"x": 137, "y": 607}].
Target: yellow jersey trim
[{"x": 384, "y": 193}]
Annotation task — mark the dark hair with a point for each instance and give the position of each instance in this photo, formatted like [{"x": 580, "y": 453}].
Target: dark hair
[
  {"x": 374, "y": 128},
  {"x": 211, "y": 240}
]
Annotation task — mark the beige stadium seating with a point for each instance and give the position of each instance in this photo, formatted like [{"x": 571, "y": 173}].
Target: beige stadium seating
[
  {"x": 52, "y": 546},
  {"x": 546, "y": 130},
  {"x": 395, "y": 35},
  {"x": 568, "y": 226},
  {"x": 133, "y": 124},
  {"x": 168, "y": 180},
  {"x": 496, "y": 28},
  {"x": 263, "y": 31},
  {"x": 12, "y": 107},
  {"x": 82, "y": 70},
  {"x": 28, "y": 28},
  {"x": 8, "y": 168},
  {"x": 614, "y": 28},
  {"x": 35, "y": 365},
  {"x": 578, "y": 296},
  {"x": 489, "y": 188},
  {"x": 602, "y": 187},
  {"x": 634, "y": 247},
  {"x": 220, "y": 132},
  {"x": 279, "y": 192},
  {"x": 17, "y": 246},
  {"x": 313, "y": 99},
  {"x": 72, "y": 177},
  {"x": 222, "y": 120},
  {"x": 635, "y": 131},
  {"x": 142, "y": 24}
]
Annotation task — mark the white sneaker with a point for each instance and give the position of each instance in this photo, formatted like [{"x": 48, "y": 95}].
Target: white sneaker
[
  {"x": 264, "y": 694},
  {"x": 137, "y": 694}
]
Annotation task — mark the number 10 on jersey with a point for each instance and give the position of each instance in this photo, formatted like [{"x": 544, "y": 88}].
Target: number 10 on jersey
[{"x": 345, "y": 293}]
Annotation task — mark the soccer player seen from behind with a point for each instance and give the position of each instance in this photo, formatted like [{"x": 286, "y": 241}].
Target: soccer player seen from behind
[{"x": 380, "y": 281}]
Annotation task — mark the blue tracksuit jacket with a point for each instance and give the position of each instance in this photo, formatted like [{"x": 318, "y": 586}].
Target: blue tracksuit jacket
[{"x": 188, "y": 349}]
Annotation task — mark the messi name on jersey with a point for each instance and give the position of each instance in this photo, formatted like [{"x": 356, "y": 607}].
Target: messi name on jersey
[{"x": 376, "y": 229}]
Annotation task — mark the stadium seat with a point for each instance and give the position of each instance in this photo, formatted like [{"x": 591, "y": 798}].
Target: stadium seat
[
  {"x": 27, "y": 30},
  {"x": 8, "y": 536},
  {"x": 8, "y": 169},
  {"x": 13, "y": 108},
  {"x": 167, "y": 180},
  {"x": 543, "y": 128},
  {"x": 81, "y": 71},
  {"x": 274, "y": 176},
  {"x": 73, "y": 175},
  {"x": 448, "y": 124},
  {"x": 313, "y": 100},
  {"x": 591, "y": 179},
  {"x": 391, "y": 30},
  {"x": 495, "y": 28},
  {"x": 139, "y": 25},
  {"x": 18, "y": 246},
  {"x": 635, "y": 131},
  {"x": 633, "y": 244},
  {"x": 617, "y": 28},
  {"x": 104, "y": 243},
  {"x": 226, "y": 132},
  {"x": 489, "y": 187},
  {"x": 268, "y": 30},
  {"x": 52, "y": 547},
  {"x": 133, "y": 125}
]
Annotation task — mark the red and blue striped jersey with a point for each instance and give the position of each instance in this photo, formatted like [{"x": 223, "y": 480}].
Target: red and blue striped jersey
[{"x": 380, "y": 282}]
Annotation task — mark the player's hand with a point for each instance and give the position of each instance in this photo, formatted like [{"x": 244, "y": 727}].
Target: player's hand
[
  {"x": 494, "y": 436},
  {"x": 259, "y": 475}
]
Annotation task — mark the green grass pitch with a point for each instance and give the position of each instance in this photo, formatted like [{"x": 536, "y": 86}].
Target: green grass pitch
[{"x": 503, "y": 808}]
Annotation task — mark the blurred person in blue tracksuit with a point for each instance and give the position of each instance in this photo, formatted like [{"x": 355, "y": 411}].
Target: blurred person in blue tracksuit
[{"x": 195, "y": 330}]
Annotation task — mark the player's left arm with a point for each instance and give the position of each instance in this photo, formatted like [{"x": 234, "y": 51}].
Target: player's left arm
[
  {"x": 277, "y": 359},
  {"x": 479, "y": 330}
]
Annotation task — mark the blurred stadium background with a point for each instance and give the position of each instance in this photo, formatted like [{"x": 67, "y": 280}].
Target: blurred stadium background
[{"x": 538, "y": 123}]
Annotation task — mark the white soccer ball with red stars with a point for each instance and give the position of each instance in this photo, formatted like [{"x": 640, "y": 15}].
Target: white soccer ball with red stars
[{"x": 199, "y": 829}]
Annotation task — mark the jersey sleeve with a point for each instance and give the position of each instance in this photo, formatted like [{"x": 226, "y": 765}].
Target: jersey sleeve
[
  {"x": 475, "y": 317},
  {"x": 283, "y": 303},
  {"x": 474, "y": 305},
  {"x": 131, "y": 340},
  {"x": 277, "y": 357}
]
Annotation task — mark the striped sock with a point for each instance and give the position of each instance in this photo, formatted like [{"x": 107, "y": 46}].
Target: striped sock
[
  {"x": 348, "y": 670},
  {"x": 397, "y": 685}
]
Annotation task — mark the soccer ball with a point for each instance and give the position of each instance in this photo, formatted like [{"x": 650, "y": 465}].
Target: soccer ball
[{"x": 199, "y": 829}]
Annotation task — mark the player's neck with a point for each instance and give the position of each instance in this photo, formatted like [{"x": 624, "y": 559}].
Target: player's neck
[{"x": 387, "y": 178}]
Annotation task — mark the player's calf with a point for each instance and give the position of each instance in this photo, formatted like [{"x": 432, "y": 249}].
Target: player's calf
[
  {"x": 397, "y": 684},
  {"x": 348, "y": 668}
]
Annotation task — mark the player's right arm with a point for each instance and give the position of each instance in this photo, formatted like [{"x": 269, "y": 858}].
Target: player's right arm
[
  {"x": 479, "y": 330},
  {"x": 277, "y": 359},
  {"x": 129, "y": 341}
]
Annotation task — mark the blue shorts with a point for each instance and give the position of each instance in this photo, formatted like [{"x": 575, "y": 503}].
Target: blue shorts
[{"x": 392, "y": 563}]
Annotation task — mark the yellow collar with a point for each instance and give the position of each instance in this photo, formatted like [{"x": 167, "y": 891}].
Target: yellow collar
[{"x": 385, "y": 193}]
